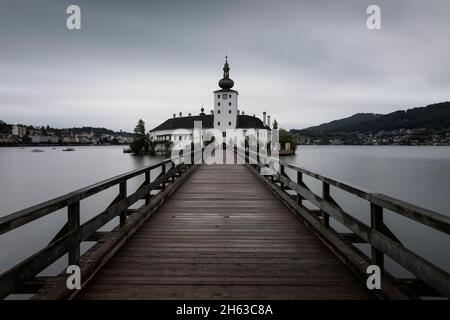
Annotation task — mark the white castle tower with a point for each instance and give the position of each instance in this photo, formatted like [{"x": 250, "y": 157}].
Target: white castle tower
[{"x": 225, "y": 102}]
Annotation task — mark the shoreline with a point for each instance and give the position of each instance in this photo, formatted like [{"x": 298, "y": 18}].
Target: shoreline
[
  {"x": 60, "y": 145},
  {"x": 299, "y": 145}
]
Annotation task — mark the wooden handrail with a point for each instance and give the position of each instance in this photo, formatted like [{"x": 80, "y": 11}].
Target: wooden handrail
[
  {"x": 422, "y": 268},
  {"x": 424, "y": 216},
  {"x": 70, "y": 236},
  {"x": 378, "y": 235},
  {"x": 21, "y": 217}
]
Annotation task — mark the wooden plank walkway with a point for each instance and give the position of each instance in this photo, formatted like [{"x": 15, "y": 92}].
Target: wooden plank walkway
[{"x": 224, "y": 235}]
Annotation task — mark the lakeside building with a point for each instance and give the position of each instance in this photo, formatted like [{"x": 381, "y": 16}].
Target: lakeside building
[
  {"x": 226, "y": 115},
  {"x": 19, "y": 130},
  {"x": 71, "y": 139},
  {"x": 38, "y": 138}
]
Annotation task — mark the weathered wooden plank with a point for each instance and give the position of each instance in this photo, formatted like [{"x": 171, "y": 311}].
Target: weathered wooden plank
[
  {"x": 223, "y": 239},
  {"x": 221, "y": 292}
]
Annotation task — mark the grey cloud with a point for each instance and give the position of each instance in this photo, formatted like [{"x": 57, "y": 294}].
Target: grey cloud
[{"x": 304, "y": 62}]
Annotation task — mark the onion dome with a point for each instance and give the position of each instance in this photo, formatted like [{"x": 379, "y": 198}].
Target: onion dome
[{"x": 226, "y": 83}]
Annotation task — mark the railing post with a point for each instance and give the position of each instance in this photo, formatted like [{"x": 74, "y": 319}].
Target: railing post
[
  {"x": 173, "y": 176},
  {"x": 123, "y": 195},
  {"x": 247, "y": 153},
  {"x": 163, "y": 172},
  {"x": 73, "y": 216},
  {"x": 299, "y": 182},
  {"x": 257, "y": 150},
  {"x": 282, "y": 175},
  {"x": 147, "y": 182},
  {"x": 326, "y": 197},
  {"x": 376, "y": 222}
]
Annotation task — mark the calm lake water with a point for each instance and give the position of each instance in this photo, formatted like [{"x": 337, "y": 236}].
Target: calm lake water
[
  {"x": 420, "y": 175},
  {"x": 28, "y": 178}
]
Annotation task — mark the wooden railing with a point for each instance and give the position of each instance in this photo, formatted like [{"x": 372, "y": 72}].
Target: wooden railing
[
  {"x": 22, "y": 278},
  {"x": 432, "y": 280}
]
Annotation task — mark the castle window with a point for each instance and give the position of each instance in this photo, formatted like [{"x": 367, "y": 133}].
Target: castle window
[
  {"x": 218, "y": 111},
  {"x": 229, "y": 123},
  {"x": 229, "y": 111},
  {"x": 218, "y": 96},
  {"x": 229, "y": 103},
  {"x": 218, "y": 123},
  {"x": 229, "y": 96},
  {"x": 218, "y": 103}
]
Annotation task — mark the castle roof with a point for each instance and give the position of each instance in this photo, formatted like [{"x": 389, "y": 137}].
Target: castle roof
[{"x": 243, "y": 122}]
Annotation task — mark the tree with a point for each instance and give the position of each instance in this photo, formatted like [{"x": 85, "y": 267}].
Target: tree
[
  {"x": 286, "y": 136},
  {"x": 140, "y": 128},
  {"x": 275, "y": 124},
  {"x": 141, "y": 141}
]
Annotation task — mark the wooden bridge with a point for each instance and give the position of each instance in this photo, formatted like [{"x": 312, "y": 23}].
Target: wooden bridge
[{"x": 224, "y": 232}]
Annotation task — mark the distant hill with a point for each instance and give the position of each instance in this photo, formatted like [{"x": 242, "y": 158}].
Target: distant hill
[
  {"x": 97, "y": 131},
  {"x": 343, "y": 124},
  {"x": 435, "y": 116}
]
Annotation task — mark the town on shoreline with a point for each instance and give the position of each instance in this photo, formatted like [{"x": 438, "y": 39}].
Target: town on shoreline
[
  {"x": 398, "y": 137},
  {"x": 23, "y": 135},
  {"x": 28, "y": 136}
]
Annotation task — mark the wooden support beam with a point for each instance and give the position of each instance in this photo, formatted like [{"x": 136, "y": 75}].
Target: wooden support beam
[
  {"x": 316, "y": 213},
  {"x": 385, "y": 229},
  {"x": 326, "y": 196},
  {"x": 63, "y": 231},
  {"x": 32, "y": 286},
  {"x": 376, "y": 222},
  {"x": 131, "y": 211},
  {"x": 123, "y": 195},
  {"x": 173, "y": 175},
  {"x": 419, "y": 288},
  {"x": 147, "y": 182},
  {"x": 282, "y": 174},
  {"x": 299, "y": 182},
  {"x": 351, "y": 237},
  {"x": 96, "y": 236},
  {"x": 73, "y": 225}
]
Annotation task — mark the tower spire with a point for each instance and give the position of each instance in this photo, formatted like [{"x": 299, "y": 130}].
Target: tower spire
[{"x": 226, "y": 82}]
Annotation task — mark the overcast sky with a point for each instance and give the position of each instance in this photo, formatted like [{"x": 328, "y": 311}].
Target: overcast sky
[{"x": 304, "y": 62}]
